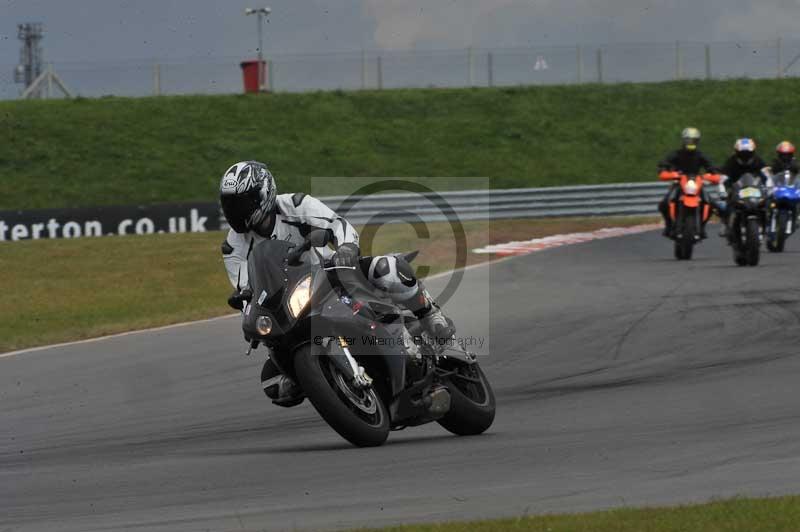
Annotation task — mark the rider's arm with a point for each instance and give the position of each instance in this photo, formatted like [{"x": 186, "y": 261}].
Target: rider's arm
[
  {"x": 668, "y": 162},
  {"x": 234, "y": 254},
  {"x": 311, "y": 212}
]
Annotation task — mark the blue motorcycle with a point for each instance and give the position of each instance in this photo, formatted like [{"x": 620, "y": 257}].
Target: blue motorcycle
[{"x": 782, "y": 210}]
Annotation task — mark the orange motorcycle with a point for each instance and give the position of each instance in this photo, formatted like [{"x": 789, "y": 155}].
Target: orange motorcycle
[{"x": 687, "y": 210}]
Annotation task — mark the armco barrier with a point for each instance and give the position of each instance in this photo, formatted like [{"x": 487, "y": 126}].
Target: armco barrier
[{"x": 498, "y": 204}]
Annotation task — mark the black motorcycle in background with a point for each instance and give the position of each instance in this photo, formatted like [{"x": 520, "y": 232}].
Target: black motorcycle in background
[
  {"x": 748, "y": 204},
  {"x": 365, "y": 364}
]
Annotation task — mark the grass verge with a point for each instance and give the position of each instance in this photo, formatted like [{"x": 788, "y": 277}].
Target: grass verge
[
  {"x": 780, "y": 514},
  {"x": 127, "y": 150},
  {"x": 62, "y": 290}
]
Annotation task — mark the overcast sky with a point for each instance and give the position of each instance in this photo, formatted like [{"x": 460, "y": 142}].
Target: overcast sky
[{"x": 100, "y": 30}]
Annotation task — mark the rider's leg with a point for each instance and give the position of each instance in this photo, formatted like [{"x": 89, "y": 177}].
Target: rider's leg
[
  {"x": 705, "y": 201},
  {"x": 395, "y": 277},
  {"x": 663, "y": 208}
]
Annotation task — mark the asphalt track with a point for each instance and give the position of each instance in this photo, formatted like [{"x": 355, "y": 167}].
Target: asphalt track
[{"x": 623, "y": 378}]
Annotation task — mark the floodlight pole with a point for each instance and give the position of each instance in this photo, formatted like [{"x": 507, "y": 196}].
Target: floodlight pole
[{"x": 261, "y": 12}]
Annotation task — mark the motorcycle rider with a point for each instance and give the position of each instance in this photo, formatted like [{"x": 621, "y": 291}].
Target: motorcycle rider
[
  {"x": 744, "y": 160},
  {"x": 255, "y": 212},
  {"x": 784, "y": 158},
  {"x": 687, "y": 160}
]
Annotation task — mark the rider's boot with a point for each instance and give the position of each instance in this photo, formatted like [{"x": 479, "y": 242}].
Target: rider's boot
[
  {"x": 281, "y": 389},
  {"x": 667, "y": 222}
]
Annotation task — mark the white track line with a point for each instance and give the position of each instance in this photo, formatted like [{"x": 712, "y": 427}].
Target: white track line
[
  {"x": 117, "y": 335},
  {"x": 562, "y": 239}
]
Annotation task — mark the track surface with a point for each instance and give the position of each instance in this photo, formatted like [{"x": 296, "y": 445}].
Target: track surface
[{"x": 623, "y": 377}]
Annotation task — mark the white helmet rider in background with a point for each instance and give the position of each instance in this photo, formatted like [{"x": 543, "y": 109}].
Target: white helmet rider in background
[{"x": 255, "y": 212}]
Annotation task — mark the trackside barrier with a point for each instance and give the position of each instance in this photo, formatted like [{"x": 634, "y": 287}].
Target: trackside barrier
[
  {"x": 464, "y": 205},
  {"x": 501, "y": 204}
]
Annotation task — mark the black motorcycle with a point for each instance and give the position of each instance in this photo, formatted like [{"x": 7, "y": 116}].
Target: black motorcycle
[
  {"x": 365, "y": 364},
  {"x": 748, "y": 203}
]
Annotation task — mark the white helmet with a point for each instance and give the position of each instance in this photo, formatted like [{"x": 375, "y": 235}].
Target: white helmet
[
  {"x": 745, "y": 148},
  {"x": 247, "y": 193}
]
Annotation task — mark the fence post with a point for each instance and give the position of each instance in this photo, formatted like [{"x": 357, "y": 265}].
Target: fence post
[
  {"x": 157, "y": 79},
  {"x": 490, "y": 69},
  {"x": 471, "y": 67},
  {"x": 579, "y": 60},
  {"x": 678, "y": 62},
  {"x": 780, "y": 57},
  {"x": 708, "y": 61},
  {"x": 363, "y": 69},
  {"x": 599, "y": 65},
  {"x": 380, "y": 72}
]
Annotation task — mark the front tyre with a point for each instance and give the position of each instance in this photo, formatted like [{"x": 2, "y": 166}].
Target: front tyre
[
  {"x": 752, "y": 242},
  {"x": 472, "y": 404},
  {"x": 358, "y": 415},
  {"x": 685, "y": 239},
  {"x": 781, "y": 231}
]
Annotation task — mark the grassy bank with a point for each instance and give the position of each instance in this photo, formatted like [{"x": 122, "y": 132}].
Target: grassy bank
[
  {"x": 737, "y": 515},
  {"x": 60, "y": 290},
  {"x": 118, "y": 150}
]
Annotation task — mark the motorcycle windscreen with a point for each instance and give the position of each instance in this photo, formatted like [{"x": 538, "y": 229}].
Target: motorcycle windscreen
[
  {"x": 748, "y": 180},
  {"x": 269, "y": 273}
]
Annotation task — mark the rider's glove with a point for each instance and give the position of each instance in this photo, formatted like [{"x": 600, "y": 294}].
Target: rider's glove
[
  {"x": 238, "y": 299},
  {"x": 346, "y": 255}
]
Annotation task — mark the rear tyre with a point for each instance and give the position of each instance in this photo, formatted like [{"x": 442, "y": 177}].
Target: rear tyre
[
  {"x": 359, "y": 416},
  {"x": 752, "y": 243},
  {"x": 472, "y": 404}
]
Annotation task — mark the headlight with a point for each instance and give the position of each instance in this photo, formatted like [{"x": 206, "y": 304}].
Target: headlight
[
  {"x": 690, "y": 188},
  {"x": 300, "y": 296},
  {"x": 263, "y": 325}
]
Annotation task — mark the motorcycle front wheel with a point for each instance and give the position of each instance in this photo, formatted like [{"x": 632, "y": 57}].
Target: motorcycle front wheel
[
  {"x": 358, "y": 415},
  {"x": 752, "y": 242}
]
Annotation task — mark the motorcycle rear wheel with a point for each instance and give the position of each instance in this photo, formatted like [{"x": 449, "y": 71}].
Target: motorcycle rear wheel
[
  {"x": 359, "y": 416},
  {"x": 472, "y": 403}
]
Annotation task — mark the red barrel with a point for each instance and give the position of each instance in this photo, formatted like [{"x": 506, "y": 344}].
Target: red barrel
[{"x": 250, "y": 72}]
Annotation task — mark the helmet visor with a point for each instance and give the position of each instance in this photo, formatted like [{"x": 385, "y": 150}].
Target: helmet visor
[
  {"x": 691, "y": 143},
  {"x": 239, "y": 208}
]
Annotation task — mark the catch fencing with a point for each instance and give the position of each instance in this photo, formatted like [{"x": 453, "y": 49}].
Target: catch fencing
[{"x": 468, "y": 67}]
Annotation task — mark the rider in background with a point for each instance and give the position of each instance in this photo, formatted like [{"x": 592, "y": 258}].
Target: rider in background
[
  {"x": 744, "y": 160},
  {"x": 784, "y": 158},
  {"x": 687, "y": 160}
]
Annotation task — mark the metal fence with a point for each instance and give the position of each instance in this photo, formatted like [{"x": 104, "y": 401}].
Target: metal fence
[
  {"x": 501, "y": 204},
  {"x": 591, "y": 200},
  {"x": 538, "y": 65}
]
